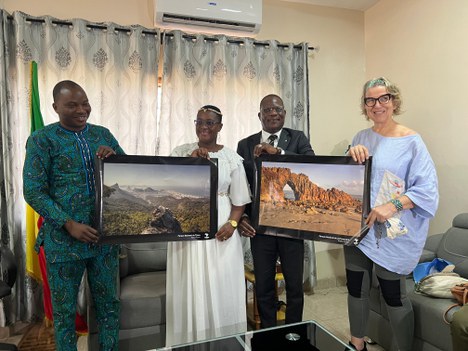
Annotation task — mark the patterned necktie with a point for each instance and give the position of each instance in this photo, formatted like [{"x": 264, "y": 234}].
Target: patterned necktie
[{"x": 272, "y": 138}]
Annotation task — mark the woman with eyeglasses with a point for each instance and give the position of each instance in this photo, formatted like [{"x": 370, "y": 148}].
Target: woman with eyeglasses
[
  {"x": 205, "y": 279},
  {"x": 400, "y": 161}
]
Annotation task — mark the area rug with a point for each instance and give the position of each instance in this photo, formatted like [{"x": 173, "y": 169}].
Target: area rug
[{"x": 38, "y": 338}]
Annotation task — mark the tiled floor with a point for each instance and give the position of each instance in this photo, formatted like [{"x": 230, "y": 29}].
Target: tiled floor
[{"x": 327, "y": 306}]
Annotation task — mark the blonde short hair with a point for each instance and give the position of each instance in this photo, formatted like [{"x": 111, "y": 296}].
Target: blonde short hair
[{"x": 391, "y": 88}]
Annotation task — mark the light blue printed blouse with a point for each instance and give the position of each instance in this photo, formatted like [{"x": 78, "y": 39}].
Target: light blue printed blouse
[
  {"x": 59, "y": 184},
  {"x": 406, "y": 157}
]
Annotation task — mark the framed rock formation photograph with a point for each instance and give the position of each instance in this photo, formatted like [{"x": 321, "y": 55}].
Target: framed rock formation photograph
[
  {"x": 324, "y": 198},
  {"x": 152, "y": 198}
]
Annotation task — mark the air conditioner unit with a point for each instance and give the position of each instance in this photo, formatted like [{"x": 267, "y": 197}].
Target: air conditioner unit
[{"x": 231, "y": 17}]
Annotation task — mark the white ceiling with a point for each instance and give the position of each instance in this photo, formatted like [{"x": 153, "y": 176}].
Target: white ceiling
[{"x": 360, "y": 5}]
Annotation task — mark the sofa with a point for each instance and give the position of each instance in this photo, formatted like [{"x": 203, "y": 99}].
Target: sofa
[
  {"x": 142, "y": 292},
  {"x": 431, "y": 332}
]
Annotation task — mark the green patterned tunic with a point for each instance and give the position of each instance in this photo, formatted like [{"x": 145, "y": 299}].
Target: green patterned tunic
[{"x": 58, "y": 178}]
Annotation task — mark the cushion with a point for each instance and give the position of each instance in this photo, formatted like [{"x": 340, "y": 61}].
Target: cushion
[
  {"x": 143, "y": 300},
  {"x": 428, "y": 317},
  {"x": 431, "y": 245},
  {"x": 454, "y": 248},
  {"x": 146, "y": 257},
  {"x": 461, "y": 221}
]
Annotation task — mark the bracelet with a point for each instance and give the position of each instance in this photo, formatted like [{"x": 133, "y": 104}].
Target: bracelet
[{"x": 397, "y": 203}]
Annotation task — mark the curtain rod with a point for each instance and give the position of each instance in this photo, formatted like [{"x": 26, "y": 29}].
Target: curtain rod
[
  {"x": 92, "y": 26},
  {"x": 186, "y": 36},
  {"x": 234, "y": 41}
]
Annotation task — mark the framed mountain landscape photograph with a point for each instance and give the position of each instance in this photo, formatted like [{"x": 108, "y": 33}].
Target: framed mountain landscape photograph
[
  {"x": 324, "y": 198},
  {"x": 152, "y": 198}
]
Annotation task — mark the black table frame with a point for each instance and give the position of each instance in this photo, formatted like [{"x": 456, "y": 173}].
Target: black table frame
[{"x": 303, "y": 336}]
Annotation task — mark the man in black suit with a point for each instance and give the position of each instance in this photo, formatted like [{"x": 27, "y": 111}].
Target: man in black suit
[{"x": 274, "y": 140}]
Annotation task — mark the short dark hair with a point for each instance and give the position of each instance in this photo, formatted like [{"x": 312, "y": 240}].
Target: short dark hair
[
  {"x": 64, "y": 84},
  {"x": 271, "y": 96},
  {"x": 213, "y": 109}
]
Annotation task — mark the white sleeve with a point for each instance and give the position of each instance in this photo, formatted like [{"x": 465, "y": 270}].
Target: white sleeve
[{"x": 239, "y": 191}]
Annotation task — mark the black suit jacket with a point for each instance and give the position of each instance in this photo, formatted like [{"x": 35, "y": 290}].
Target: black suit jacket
[{"x": 293, "y": 142}]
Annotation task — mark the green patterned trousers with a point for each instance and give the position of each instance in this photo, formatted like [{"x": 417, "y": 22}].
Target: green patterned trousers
[{"x": 65, "y": 278}]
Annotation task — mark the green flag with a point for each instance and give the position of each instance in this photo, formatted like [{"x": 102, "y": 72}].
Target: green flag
[
  {"x": 32, "y": 261},
  {"x": 36, "y": 116}
]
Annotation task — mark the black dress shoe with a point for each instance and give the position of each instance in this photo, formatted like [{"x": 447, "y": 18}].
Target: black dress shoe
[{"x": 354, "y": 347}]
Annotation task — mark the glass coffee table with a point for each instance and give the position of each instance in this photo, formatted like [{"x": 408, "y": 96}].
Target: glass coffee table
[{"x": 303, "y": 336}]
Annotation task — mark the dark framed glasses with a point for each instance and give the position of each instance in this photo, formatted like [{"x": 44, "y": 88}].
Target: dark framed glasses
[
  {"x": 382, "y": 99},
  {"x": 277, "y": 109}
]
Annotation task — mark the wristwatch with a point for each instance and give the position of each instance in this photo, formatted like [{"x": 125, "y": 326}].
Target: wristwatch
[
  {"x": 279, "y": 151},
  {"x": 232, "y": 222}
]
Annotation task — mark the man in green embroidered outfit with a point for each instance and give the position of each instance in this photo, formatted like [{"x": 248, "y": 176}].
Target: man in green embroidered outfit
[{"x": 58, "y": 182}]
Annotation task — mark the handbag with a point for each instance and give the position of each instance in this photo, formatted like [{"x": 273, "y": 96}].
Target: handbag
[
  {"x": 460, "y": 293},
  {"x": 439, "y": 284}
]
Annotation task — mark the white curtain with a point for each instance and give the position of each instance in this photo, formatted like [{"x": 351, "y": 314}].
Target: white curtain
[
  {"x": 233, "y": 74},
  {"x": 117, "y": 67}
]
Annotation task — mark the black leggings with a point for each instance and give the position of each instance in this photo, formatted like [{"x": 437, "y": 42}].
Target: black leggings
[{"x": 392, "y": 286}]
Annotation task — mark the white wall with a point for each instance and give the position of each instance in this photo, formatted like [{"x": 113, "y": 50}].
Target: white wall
[
  {"x": 421, "y": 45},
  {"x": 122, "y": 12}
]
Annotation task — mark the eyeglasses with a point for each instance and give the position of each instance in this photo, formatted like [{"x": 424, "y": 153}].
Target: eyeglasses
[
  {"x": 209, "y": 123},
  {"x": 382, "y": 99},
  {"x": 268, "y": 110}
]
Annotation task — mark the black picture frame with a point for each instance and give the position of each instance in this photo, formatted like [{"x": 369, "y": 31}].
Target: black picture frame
[
  {"x": 155, "y": 198},
  {"x": 323, "y": 198}
]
